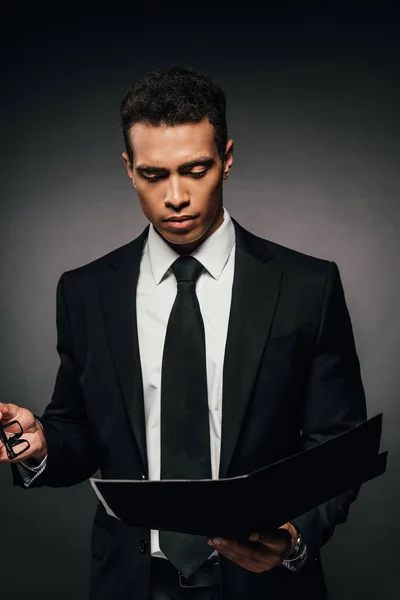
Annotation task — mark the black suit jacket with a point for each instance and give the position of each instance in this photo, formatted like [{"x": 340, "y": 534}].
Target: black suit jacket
[{"x": 291, "y": 379}]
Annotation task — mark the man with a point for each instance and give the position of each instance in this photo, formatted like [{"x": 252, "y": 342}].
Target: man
[{"x": 196, "y": 350}]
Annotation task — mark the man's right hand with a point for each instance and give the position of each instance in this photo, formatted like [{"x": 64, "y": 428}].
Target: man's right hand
[{"x": 32, "y": 432}]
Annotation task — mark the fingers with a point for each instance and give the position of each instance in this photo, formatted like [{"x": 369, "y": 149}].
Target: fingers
[
  {"x": 26, "y": 429},
  {"x": 34, "y": 442},
  {"x": 254, "y": 557},
  {"x": 9, "y": 411},
  {"x": 274, "y": 539},
  {"x": 279, "y": 542},
  {"x": 25, "y": 420},
  {"x": 263, "y": 552},
  {"x": 3, "y": 411}
]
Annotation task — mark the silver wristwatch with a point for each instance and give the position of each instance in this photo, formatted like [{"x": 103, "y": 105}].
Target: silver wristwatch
[
  {"x": 296, "y": 550},
  {"x": 298, "y": 558}
]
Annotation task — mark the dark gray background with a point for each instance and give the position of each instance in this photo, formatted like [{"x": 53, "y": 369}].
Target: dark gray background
[{"x": 312, "y": 107}]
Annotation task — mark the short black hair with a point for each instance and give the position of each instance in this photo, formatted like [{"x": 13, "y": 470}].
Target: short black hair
[{"x": 174, "y": 96}]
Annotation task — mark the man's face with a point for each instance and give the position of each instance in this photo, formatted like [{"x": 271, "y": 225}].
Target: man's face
[{"x": 178, "y": 172}]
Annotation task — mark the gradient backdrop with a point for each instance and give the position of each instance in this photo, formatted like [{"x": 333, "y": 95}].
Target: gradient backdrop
[{"x": 313, "y": 109}]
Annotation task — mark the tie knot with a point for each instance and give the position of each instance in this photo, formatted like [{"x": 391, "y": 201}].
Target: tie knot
[{"x": 186, "y": 268}]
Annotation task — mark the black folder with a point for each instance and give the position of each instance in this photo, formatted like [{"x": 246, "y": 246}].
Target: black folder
[{"x": 259, "y": 501}]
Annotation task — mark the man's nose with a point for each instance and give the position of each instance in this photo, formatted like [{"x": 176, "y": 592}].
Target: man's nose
[{"x": 176, "y": 194}]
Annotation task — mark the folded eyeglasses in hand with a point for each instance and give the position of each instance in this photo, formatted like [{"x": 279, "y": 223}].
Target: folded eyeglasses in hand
[{"x": 14, "y": 440}]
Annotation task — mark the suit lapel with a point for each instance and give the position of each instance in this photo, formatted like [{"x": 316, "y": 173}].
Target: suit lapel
[
  {"x": 118, "y": 305},
  {"x": 255, "y": 292}
]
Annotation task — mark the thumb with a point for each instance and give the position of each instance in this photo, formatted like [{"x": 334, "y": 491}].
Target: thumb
[{"x": 8, "y": 411}]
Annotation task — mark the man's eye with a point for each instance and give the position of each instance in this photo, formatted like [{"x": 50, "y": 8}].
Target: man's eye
[
  {"x": 153, "y": 178},
  {"x": 197, "y": 174}
]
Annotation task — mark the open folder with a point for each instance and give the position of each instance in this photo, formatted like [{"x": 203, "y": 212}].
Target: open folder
[{"x": 259, "y": 501}]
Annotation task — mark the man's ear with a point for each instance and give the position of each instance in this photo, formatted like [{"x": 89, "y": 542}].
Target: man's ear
[
  {"x": 228, "y": 158},
  {"x": 129, "y": 169}
]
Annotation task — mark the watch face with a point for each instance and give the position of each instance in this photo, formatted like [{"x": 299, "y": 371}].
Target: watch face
[{"x": 297, "y": 545}]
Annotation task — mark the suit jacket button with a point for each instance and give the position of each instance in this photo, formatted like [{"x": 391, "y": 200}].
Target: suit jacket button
[{"x": 142, "y": 546}]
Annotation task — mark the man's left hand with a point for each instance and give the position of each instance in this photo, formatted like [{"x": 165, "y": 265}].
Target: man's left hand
[{"x": 263, "y": 552}]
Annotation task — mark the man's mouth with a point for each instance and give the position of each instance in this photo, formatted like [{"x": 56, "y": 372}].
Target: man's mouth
[
  {"x": 180, "y": 219},
  {"x": 180, "y": 222}
]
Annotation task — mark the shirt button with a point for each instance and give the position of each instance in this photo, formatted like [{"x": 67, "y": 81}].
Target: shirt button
[{"x": 142, "y": 546}]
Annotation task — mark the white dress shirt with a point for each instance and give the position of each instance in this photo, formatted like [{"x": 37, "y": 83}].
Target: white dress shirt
[{"x": 156, "y": 292}]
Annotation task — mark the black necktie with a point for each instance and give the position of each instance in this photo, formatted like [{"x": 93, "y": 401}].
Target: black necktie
[{"x": 185, "y": 432}]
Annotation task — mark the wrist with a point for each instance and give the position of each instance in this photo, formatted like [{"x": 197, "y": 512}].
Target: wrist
[
  {"x": 296, "y": 560},
  {"x": 294, "y": 539},
  {"x": 41, "y": 453},
  {"x": 297, "y": 546}
]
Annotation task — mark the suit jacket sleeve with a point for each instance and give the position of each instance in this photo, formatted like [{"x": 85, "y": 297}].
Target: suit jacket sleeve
[
  {"x": 71, "y": 452},
  {"x": 334, "y": 402}
]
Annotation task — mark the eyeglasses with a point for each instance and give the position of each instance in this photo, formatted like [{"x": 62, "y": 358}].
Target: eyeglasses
[{"x": 13, "y": 440}]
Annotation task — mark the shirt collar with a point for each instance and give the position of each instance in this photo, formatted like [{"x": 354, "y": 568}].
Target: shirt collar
[{"x": 213, "y": 253}]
